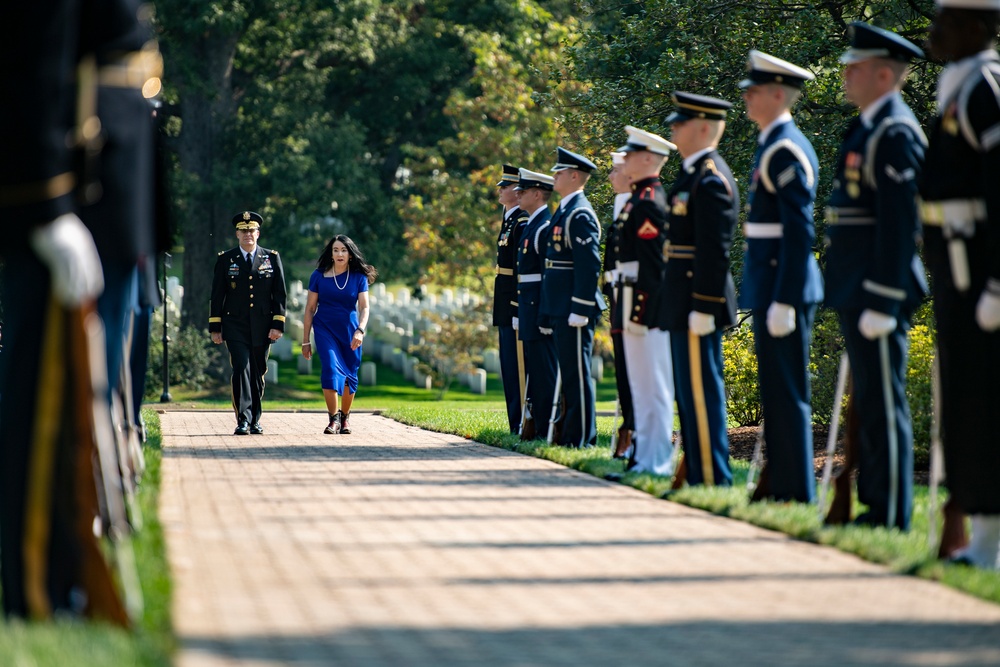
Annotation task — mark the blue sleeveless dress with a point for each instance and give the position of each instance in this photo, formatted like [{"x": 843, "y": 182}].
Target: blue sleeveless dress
[{"x": 334, "y": 325}]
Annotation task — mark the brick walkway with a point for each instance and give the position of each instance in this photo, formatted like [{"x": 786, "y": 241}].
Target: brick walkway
[{"x": 396, "y": 546}]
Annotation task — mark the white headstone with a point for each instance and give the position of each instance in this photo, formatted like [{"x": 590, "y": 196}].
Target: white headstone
[
  {"x": 597, "y": 367},
  {"x": 282, "y": 348},
  {"x": 305, "y": 366},
  {"x": 272, "y": 371},
  {"x": 367, "y": 376},
  {"x": 478, "y": 381},
  {"x": 491, "y": 361}
]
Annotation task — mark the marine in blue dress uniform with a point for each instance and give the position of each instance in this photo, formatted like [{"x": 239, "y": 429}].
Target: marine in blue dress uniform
[
  {"x": 960, "y": 212},
  {"x": 248, "y": 313},
  {"x": 781, "y": 282},
  {"x": 700, "y": 296},
  {"x": 505, "y": 297},
  {"x": 874, "y": 278},
  {"x": 645, "y": 337},
  {"x": 622, "y": 185},
  {"x": 571, "y": 300},
  {"x": 534, "y": 190}
]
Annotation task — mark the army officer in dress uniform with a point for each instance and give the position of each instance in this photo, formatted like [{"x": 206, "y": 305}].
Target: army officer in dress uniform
[
  {"x": 505, "y": 297},
  {"x": 571, "y": 300},
  {"x": 874, "y": 278},
  {"x": 700, "y": 297},
  {"x": 248, "y": 312},
  {"x": 622, "y": 185},
  {"x": 645, "y": 336},
  {"x": 533, "y": 193},
  {"x": 781, "y": 279},
  {"x": 961, "y": 224}
]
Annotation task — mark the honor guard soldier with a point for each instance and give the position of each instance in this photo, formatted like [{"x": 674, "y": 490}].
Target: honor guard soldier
[
  {"x": 248, "y": 313},
  {"x": 645, "y": 337},
  {"x": 533, "y": 193},
  {"x": 960, "y": 212},
  {"x": 781, "y": 281},
  {"x": 622, "y": 185},
  {"x": 874, "y": 278},
  {"x": 699, "y": 294},
  {"x": 571, "y": 300},
  {"x": 505, "y": 297}
]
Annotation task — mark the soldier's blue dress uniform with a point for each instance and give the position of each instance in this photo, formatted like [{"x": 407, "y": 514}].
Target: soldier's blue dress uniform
[
  {"x": 872, "y": 264},
  {"x": 505, "y": 304},
  {"x": 569, "y": 286},
  {"x": 702, "y": 210},
  {"x": 539, "y": 348},
  {"x": 779, "y": 268},
  {"x": 612, "y": 287},
  {"x": 247, "y": 302},
  {"x": 961, "y": 226}
]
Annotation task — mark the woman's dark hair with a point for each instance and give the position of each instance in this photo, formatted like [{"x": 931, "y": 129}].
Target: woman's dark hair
[{"x": 355, "y": 260}]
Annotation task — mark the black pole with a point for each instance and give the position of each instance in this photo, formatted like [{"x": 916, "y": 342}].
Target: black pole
[{"x": 165, "y": 396}]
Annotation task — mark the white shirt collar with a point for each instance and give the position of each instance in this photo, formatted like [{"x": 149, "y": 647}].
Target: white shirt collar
[
  {"x": 868, "y": 115},
  {"x": 694, "y": 157},
  {"x": 786, "y": 117},
  {"x": 620, "y": 200},
  {"x": 509, "y": 212},
  {"x": 565, "y": 200},
  {"x": 537, "y": 211}
]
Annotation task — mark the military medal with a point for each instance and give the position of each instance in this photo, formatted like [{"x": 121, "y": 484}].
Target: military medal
[
  {"x": 949, "y": 123},
  {"x": 680, "y": 203},
  {"x": 852, "y": 171}
]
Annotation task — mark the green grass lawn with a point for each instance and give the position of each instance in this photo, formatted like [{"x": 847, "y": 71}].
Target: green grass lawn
[{"x": 76, "y": 644}]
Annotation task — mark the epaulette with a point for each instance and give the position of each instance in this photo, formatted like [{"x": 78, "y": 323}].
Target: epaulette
[
  {"x": 647, "y": 193},
  {"x": 709, "y": 166},
  {"x": 275, "y": 252}
]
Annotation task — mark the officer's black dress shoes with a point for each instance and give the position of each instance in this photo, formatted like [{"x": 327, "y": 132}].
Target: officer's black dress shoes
[
  {"x": 242, "y": 429},
  {"x": 256, "y": 429}
]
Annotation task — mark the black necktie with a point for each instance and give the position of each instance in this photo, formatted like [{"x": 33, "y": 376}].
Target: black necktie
[{"x": 249, "y": 259}]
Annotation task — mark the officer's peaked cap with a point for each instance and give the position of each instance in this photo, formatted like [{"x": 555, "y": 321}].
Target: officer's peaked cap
[
  {"x": 617, "y": 157},
  {"x": 691, "y": 106},
  {"x": 569, "y": 160},
  {"x": 247, "y": 220},
  {"x": 532, "y": 179},
  {"x": 509, "y": 177},
  {"x": 765, "y": 68},
  {"x": 867, "y": 41},
  {"x": 641, "y": 140}
]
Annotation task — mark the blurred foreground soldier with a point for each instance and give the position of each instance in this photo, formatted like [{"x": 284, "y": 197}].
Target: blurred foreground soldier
[
  {"x": 874, "y": 278},
  {"x": 645, "y": 337},
  {"x": 961, "y": 217},
  {"x": 571, "y": 301},
  {"x": 505, "y": 297},
  {"x": 248, "y": 313},
  {"x": 781, "y": 282},
  {"x": 533, "y": 193},
  {"x": 699, "y": 293},
  {"x": 622, "y": 185},
  {"x": 54, "y": 389}
]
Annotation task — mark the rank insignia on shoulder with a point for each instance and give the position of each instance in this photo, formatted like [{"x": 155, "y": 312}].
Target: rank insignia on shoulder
[
  {"x": 647, "y": 193},
  {"x": 221, "y": 253},
  {"x": 647, "y": 230}
]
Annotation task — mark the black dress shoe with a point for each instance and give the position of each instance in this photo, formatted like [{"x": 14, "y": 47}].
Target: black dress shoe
[
  {"x": 257, "y": 429},
  {"x": 242, "y": 429}
]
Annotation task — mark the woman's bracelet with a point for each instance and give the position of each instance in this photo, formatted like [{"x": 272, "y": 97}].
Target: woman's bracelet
[
  {"x": 305, "y": 344},
  {"x": 361, "y": 330}
]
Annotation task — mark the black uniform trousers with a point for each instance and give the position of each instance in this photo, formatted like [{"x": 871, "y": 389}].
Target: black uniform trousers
[
  {"x": 540, "y": 363},
  {"x": 510, "y": 375},
  {"x": 869, "y": 400},
  {"x": 574, "y": 346},
  {"x": 249, "y": 364},
  {"x": 701, "y": 405},
  {"x": 785, "y": 396},
  {"x": 26, "y": 300},
  {"x": 621, "y": 382}
]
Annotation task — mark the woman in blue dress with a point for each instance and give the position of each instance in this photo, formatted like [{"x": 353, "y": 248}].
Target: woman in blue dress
[{"x": 337, "y": 313}]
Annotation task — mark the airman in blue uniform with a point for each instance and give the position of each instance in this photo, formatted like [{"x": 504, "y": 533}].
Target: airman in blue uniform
[
  {"x": 571, "y": 300},
  {"x": 874, "y": 278},
  {"x": 781, "y": 281},
  {"x": 960, "y": 212},
  {"x": 505, "y": 297},
  {"x": 248, "y": 313},
  {"x": 534, "y": 190},
  {"x": 700, "y": 296},
  {"x": 645, "y": 337}
]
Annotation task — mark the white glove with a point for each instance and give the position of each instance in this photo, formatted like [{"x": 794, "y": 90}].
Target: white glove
[
  {"x": 545, "y": 331},
  {"x": 67, "y": 248},
  {"x": 578, "y": 320},
  {"x": 780, "y": 319},
  {"x": 513, "y": 323},
  {"x": 628, "y": 270},
  {"x": 873, "y": 324},
  {"x": 701, "y": 324},
  {"x": 988, "y": 312}
]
